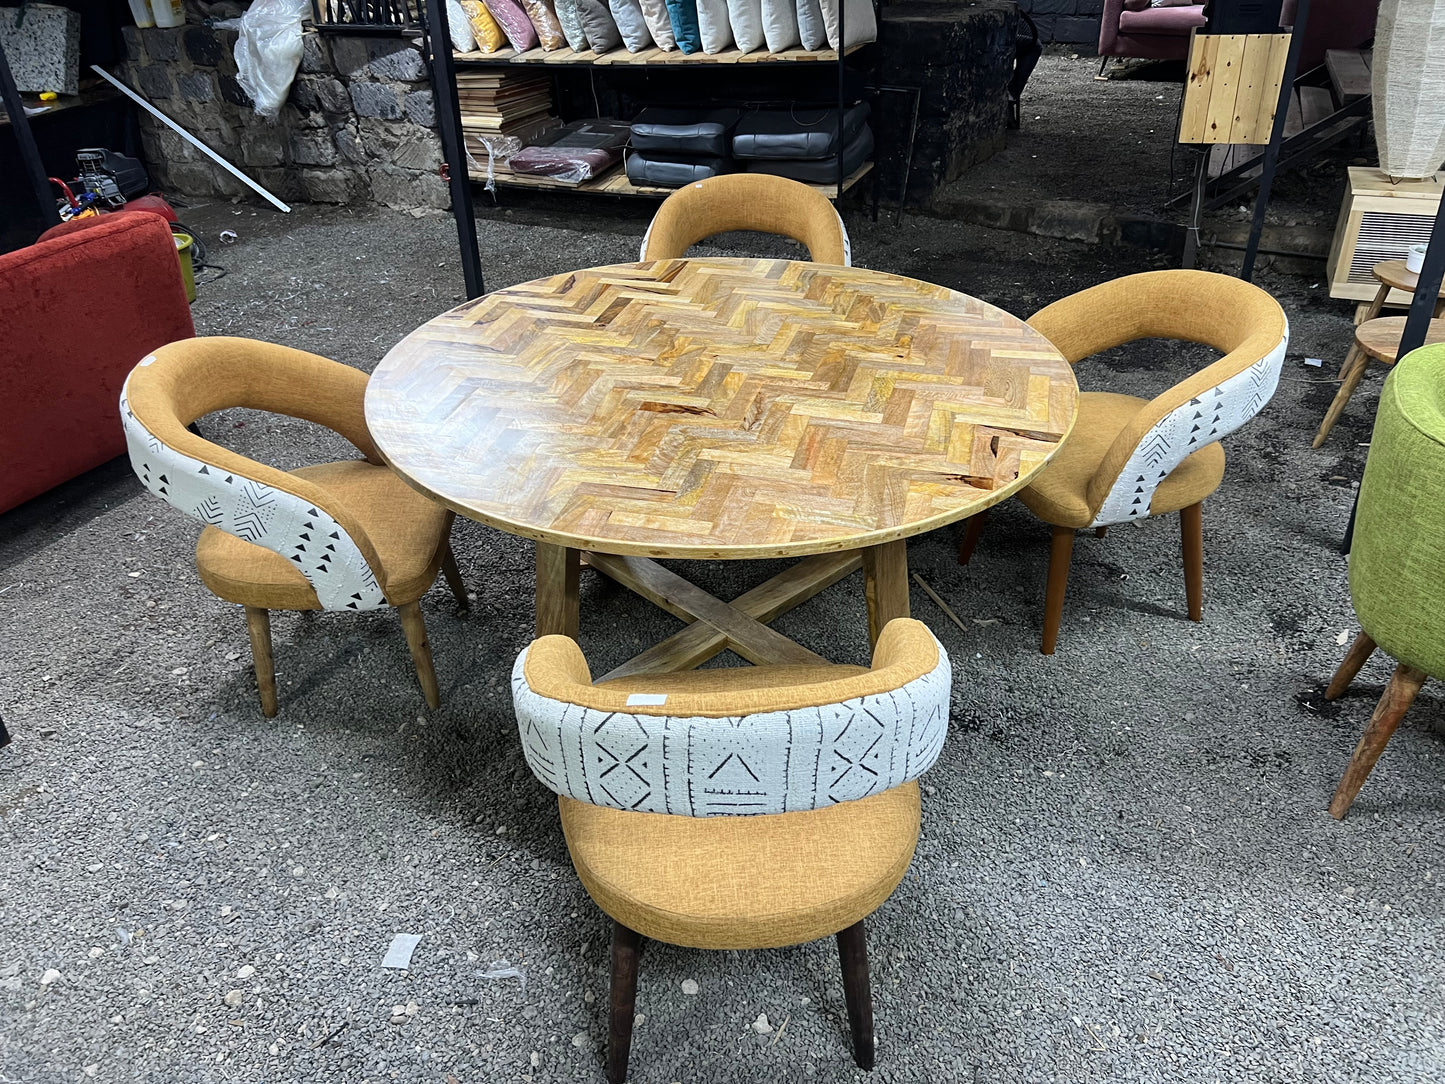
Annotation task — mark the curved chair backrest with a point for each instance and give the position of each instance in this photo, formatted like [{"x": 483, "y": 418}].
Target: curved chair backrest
[
  {"x": 747, "y": 201},
  {"x": 1397, "y": 556},
  {"x": 752, "y": 750},
  {"x": 301, "y": 521},
  {"x": 1226, "y": 313}
]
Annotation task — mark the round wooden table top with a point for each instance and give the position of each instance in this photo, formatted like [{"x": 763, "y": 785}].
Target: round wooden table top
[
  {"x": 1394, "y": 274},
  {"x": 721, "y": 408},
  {"x": 1380, "y": 338}
]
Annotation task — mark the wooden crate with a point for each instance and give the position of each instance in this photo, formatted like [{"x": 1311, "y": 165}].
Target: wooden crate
[{"x": 1379, "y": 220}]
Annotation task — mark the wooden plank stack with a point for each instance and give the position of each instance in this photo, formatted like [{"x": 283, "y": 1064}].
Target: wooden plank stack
[{"x": 502, "y": 103}]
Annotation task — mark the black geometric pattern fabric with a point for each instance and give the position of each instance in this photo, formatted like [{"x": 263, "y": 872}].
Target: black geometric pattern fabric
[
  {"x": 279, "y": 521},
  {"x": 1183, "y": 431},
  {"x": 769, "y": 762}
]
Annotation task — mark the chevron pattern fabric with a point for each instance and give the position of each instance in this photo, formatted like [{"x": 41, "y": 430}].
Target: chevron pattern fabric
[
  {"x": 769, "y": 762},
  {"x": 1203, "y": 420},
  {"x": 705, "y": 407},
  {"x": 319, "y": 547}
]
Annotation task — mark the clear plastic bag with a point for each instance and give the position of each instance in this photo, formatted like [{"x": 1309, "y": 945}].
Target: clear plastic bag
[{"x": 268, "y": 51}]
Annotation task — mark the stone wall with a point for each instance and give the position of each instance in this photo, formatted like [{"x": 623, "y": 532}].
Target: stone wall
[
  {"x": 960, "y": 55},
  {"x": 359, "y": 125},
  {"x": 1073, "y": 22}
]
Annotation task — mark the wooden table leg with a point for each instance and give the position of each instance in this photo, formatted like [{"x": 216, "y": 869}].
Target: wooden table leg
[
  {"x": 885, "y": 585},
  {"x": 558, "y": 570}
]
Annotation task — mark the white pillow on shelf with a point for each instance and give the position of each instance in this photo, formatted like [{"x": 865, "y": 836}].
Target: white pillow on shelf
[
  {"x": 862, "y": 25},
  {"x": 780, "y": 24},
  {"x": 713, "y": 25},
  {"x": 746, "y": 19},
  {"x": 654, "y": 12},
  {"x": 811, "y": 30},
  {"x": 627, "y": 14}
]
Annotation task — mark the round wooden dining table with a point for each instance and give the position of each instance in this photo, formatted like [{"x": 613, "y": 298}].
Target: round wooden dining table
[{"x": 721, "y": 409}]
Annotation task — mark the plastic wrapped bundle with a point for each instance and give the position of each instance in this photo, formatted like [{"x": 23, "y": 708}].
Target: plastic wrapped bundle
[
  {"x": 544, "y": 21},
  {"x": 575, "y": 152}
]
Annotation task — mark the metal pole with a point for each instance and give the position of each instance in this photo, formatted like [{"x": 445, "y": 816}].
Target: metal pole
[
  {"x": 449, "y": 118},
  {"x": 29, "y": 152},
  {"x": 1417, "y": 324},
  {"x": 1276, "y": 136},
  {"x": 842, "y": 52}
]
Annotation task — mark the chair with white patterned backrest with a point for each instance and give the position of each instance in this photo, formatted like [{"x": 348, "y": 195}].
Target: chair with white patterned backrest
[
  {"x": 738, "y": 808},
  {"x": 1129, "y": 458},
  {"x": 747, "y": 201},
  {"x": 349, "y": 535}
]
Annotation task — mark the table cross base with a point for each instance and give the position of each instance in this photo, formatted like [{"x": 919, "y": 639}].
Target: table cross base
[{"x": 715, "y": 625}]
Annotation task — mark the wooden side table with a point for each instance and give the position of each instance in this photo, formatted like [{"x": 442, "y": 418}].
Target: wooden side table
[
  {"x": 1379, "y": 339},
  {"x": 1392, "y": 275},
  {"x": 721, "y": 410}
]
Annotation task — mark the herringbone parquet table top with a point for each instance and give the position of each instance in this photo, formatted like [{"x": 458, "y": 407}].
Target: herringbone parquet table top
[{"x": 721, "y": 408}]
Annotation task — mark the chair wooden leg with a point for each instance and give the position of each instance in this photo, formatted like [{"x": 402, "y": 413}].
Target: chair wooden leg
[
  {"x": 1349, "y": 380},
  {"x": 454, "y": 576},
  {"x": 971, "y": 532},
  {"x": 1359, "y": 652},
  {"x": 1191, "y": 526},
  {"x": 258, "y": 624},
  {"x": 415, "y": 628},
  {"x": 1061, "y": 552},
  {"x": 853, "y": 955},
  {"x": 1398, "y": 696},
  {"x": 625, "y": 946},
  {"x": 1100, "y": 532}
]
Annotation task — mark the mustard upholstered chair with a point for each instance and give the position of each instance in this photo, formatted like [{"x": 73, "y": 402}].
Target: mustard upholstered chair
[
  {"x": 336, "y": 536},
  {"x": 1129, "y": 458},
  {"x": 747, "y": 201},
  {"x": 1397, "y": 555},
  {"x": 654, "y": 773}
]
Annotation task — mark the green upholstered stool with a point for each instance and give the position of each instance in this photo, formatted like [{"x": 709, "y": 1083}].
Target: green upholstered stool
[{"x": 1397, "y": 561}]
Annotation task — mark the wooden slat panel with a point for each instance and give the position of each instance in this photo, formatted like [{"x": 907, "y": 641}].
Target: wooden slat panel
[
  {"x": 1203, "y": 48},
  {"x": 1224, "y": 88},
  {"x": 1258, "y": 95}
]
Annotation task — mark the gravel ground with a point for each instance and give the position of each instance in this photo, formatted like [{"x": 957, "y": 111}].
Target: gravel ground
[{"x": 1126, "y": 871}]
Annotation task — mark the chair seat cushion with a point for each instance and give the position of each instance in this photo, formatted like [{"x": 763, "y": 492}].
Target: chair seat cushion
[
  {"x": 1059, "y": 493},
  {"x": 744, "y": 882},
  {"x": 406, "y": 528}
]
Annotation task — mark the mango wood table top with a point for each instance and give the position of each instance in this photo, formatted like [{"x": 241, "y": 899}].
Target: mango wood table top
[
  {"x": 1396, "y": 275},
  {"x": 721, "y": 408},
  {"x": 1380, "y": 338}
]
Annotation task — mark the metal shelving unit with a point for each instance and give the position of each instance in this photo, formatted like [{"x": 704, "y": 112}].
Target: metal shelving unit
[{"x": 445, "y": 62}]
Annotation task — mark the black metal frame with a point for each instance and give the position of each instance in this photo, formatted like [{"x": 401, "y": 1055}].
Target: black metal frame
[
  {"x": 29, "y": 150},
  {"x": 443, "y": 68}
]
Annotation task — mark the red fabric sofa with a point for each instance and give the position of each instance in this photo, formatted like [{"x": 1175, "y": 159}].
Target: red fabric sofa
[
  {"x": 78, "y": 312},
  {"x": 1134, "y": 28}
]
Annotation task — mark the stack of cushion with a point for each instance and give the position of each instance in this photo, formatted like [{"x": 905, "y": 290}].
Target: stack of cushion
[
  {"x": 802, "y": 143},
  {"x": 674, "y": 147},
  {"x": 708, "y": 26}
]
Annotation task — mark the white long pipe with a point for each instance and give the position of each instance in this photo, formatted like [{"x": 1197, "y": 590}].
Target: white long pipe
[{"x": 173, "y": 126}]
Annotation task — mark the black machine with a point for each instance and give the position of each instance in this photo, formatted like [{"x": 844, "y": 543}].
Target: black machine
[
  {"x": 1244, "y": 16},
  {"x": 112, "y": 177}
]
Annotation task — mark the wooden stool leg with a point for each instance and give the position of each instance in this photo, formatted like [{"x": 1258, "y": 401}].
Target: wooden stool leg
[
  {"x": 1191, "y": 525},
  {"x": 558, "y": 576},
  {"x": 1100, "y": 532},
  {"x": 258, "y": 624},
  {"x": 1061, "y": 552},
  {"x": 1359, "y": 652},
  {"x": 1350, "y": 380},
  {"x": 1398, "y": 696},
  {"x": 853, "y": 955},
  {"x": 971, "y": 532},
  {"x": 454, "y": 576},
  {"x": 885, "y": 585},
  {"x": 625, "y": 945},
  {"x": 1365, "y": 313},
  {"x": 415, "y": 629}
]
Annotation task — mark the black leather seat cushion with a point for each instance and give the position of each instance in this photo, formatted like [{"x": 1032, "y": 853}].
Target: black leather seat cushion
[
  {"x": 798, "y": 133},
  {"x": 684, "y": 132}
]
